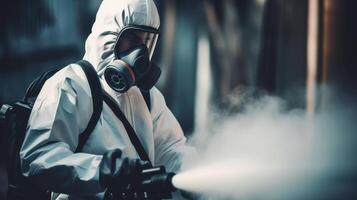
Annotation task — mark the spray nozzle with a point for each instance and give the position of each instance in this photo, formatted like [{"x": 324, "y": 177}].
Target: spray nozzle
[{"x": 155, "y": 183}]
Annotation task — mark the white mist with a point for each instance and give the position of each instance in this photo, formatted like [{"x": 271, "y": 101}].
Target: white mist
[{"x": 265, "y": 152}]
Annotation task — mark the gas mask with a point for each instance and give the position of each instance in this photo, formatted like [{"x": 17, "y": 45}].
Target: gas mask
[{"x": 133, "y": 65}]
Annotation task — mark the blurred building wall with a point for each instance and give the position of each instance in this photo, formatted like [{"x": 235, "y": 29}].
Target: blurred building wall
[
  {"x": 282, "y": 67},
  {"x": 57, "y": 40}
]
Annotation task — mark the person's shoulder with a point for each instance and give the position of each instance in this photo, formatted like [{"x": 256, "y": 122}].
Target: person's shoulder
[
  {"x": 71, "y": 76},
  {"x": 157, "y": 96},
  {"x": 158, "y": 103}
]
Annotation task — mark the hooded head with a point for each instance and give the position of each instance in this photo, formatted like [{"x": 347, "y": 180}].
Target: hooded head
[{"x": 112, "y": 18}]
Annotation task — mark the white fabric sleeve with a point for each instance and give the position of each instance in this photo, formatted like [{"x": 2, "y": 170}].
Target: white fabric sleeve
[
  {"x": 61, "y": 112},
  {"x": 170, "y": 142}
]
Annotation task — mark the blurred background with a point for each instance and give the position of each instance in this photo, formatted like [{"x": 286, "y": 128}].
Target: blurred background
[{"x": 209, "y": 50}]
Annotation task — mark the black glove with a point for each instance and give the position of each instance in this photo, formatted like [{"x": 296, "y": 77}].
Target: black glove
[{"x": 116, "y": 173}]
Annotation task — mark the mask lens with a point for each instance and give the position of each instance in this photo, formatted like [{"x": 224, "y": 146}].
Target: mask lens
[
  {"x": 133, "y": 37},
  {"x": 150, "y": 42}
]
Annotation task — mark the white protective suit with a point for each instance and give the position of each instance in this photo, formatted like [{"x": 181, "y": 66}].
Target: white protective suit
[{"x": 64, "y": 107}]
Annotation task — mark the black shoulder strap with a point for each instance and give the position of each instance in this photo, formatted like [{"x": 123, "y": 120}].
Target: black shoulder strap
[
  {"x": 97, "y": 98},
  {"x": 35, "y": 87},
  {"x": 129, "y": 129},
  {"x": 146, "y": 95}
]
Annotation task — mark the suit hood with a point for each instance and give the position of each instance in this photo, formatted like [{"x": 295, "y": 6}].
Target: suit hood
[{"x": 112, "y": 17}]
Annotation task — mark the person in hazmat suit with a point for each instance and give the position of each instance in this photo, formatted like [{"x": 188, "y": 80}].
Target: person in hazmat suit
[{"x": 124, "y": 29}]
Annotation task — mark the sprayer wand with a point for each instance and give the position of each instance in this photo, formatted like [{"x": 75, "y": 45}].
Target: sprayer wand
[{"x": 155, "y": 184}]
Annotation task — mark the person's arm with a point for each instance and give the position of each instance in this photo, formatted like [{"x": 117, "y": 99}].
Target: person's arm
[
  {"x": 170, "y": 142},
  {"x": 61, "y": 112}
]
